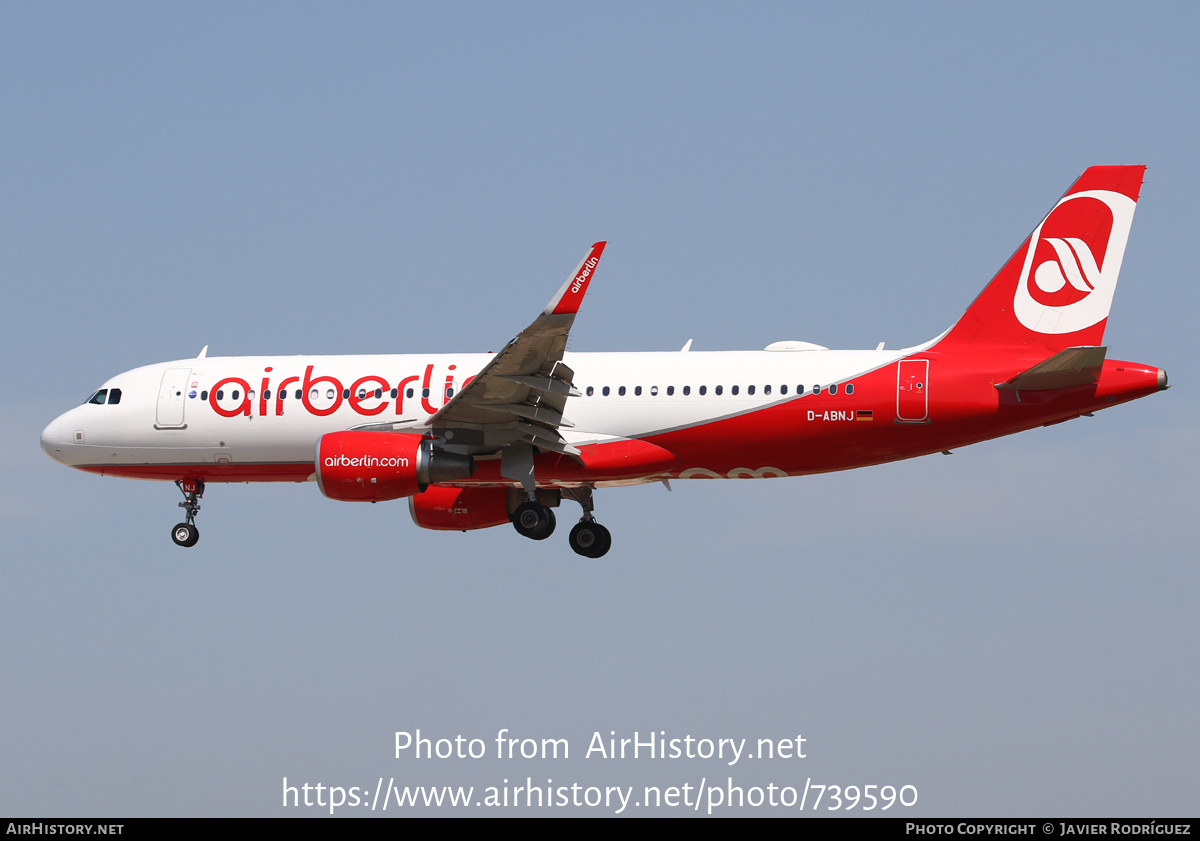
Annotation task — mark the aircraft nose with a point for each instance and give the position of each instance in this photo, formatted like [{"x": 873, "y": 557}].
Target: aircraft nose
[
  {"x": 1162, "y": 379},
  {"x": 52, "y": 439}
]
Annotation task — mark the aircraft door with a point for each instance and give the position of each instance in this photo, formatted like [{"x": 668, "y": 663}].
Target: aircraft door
[
  {"x": 171, "y": 396},
  {"x": 912, "y": 391}
]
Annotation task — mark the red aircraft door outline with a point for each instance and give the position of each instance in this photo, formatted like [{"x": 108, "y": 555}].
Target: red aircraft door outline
[{"x": 912, "y": 392}]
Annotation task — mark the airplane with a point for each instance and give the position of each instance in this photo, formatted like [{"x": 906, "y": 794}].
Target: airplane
[{"x": 477, "y": 440}]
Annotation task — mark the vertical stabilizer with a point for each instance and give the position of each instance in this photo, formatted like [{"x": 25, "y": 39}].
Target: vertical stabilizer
[{"x": 1057, "y": 288}]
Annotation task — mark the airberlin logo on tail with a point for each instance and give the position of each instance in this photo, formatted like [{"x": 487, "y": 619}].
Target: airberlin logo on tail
[
  {"x": 1071, "y": 267},
  {"x": 1076, "y": 265}
]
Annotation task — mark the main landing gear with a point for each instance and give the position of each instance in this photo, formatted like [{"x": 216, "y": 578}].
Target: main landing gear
[
  {"x": 186, "y": 533},
  {"x": 588, "y": 538},
  {"x": 533, "y": 520}
]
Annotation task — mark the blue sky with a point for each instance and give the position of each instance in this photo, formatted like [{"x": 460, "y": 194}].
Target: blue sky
[{"x": 1011, "y": 630}]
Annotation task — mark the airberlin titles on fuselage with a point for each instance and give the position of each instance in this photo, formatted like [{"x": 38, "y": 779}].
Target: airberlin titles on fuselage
[
  {"x": 372, "y": 394},
  {"x": 366, "y": 395}
]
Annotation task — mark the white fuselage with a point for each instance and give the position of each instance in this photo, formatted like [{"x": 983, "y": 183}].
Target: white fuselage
[{"x": 214, "y": 410}]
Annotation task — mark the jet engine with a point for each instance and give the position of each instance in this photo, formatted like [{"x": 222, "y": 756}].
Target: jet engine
[
  {"x": 459, "y": 509},
  {"x": 374, "y": 466}
]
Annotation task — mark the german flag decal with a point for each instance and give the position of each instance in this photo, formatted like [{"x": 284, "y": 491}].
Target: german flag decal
[{"x": 864, "y": 414}]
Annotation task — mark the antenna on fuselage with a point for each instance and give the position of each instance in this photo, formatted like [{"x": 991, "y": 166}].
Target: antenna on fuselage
[{"x": 203, "y": 352}]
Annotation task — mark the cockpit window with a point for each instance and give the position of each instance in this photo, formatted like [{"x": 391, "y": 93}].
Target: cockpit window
[
  {"x": 114, "y": 396},
  {"x": 99, "y": 396}
]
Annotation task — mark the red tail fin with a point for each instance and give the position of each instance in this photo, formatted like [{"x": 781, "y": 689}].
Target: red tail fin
[{"x": 1057, "y": 288}]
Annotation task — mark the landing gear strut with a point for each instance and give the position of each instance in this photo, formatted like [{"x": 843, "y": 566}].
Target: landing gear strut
[
  {"x": 186, "y": 533},
  {"x": 588, "y": 538}
]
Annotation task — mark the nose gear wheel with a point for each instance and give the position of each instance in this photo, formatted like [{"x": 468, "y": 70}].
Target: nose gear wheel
[{"x": 186, "y": 534}]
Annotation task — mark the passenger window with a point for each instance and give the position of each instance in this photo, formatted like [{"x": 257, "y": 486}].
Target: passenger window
[
  {"x": 220, "y": 394},
  {"x": 328, "y": 394},
  {"x": 621, "y": 391},
  {"x": 703, "y": 390},
  {"x": 733, "y": 390},
  {"x": 204, "y": 394},
  {"x": 783, "y": 389},
  {"x": 766, "y": 390},
  {"x": 267, "y": 394},
  {"x": 849, "y": 388},
  {"x": 606, "y": 391},
  {"x": 408, "y": 392},
  {"x": 591, "y": 390},
  {"x": 379, "y": 393},
  {"x": 799, "y": 389},
  {"x": 687, "y": 389},
  {"x": 750, "y": 389},
  {"x": 449, "y": 393},
  {"x": 653, "y": 391},
  {"x": 312, "y": 395},
  {"x": 114, "y": 396},
  {"x": 833, "y": 389},
  {"x": 719, "y": 389},
  {"x": 362, "y": 392},
  {"x": 637, "y": 391},
  {"x": 816, "y": 389},
  {"x": 394, "y": 393},
  {"x": 670, "y": 390},
  {"x": 425, "y": 393}
]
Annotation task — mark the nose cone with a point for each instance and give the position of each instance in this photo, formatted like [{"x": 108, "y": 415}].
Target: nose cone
[{"x": 52, "y": 443}]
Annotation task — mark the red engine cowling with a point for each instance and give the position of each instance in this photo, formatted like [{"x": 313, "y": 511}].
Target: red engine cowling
[
  {"x": 374, "y": 466},
  {"x": 459, "y": 509}
]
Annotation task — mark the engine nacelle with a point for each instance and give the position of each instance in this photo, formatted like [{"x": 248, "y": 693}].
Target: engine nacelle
[
  {"x": 459, "y": 509},
  {"x": 374, "y": 466}
]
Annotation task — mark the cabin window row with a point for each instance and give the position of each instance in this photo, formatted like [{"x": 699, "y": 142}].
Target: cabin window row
[
  {"x": 591, "y": 391},
  {"x": 702, "y": 391},
  {"x": 315, "y": 394}
]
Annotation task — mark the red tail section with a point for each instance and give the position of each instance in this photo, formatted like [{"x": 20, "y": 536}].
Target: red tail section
[{"x": 1057, "y": 288}]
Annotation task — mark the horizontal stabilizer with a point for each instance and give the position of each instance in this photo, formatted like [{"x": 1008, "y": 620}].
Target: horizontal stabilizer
[{"x": 1066, "y": 369}]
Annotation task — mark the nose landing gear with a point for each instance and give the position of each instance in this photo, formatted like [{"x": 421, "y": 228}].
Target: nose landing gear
[{"x": 186, "y": 533}]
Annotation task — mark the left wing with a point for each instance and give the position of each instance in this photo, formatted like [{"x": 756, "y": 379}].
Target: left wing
[{"x": 516, "y": 402}]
